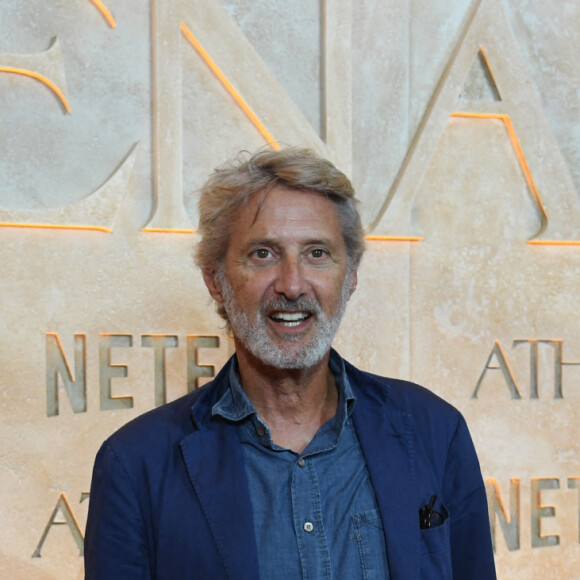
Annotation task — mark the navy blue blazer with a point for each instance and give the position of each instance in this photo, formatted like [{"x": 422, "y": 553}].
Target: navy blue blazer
[{"x": 169, "y": 497}]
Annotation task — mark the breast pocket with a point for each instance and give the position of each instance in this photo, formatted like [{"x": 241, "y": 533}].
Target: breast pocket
[
  {"x": 369, "y": 536},
  {"x": 436, "y": 551}
]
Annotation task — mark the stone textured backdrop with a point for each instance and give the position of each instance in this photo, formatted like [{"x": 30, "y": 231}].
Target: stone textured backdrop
[{"x": 458, "y": 122}]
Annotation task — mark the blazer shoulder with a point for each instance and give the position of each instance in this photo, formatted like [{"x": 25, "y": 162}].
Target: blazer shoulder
[
  {"x": 170, "y": 422},
  {"x": 401, "y": 395}
]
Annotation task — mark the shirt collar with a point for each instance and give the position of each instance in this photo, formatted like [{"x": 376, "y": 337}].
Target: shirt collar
[{"x": 234, "y": 404}]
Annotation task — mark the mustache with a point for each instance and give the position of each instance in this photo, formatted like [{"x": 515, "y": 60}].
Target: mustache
[{"x": 310, "y": 305}]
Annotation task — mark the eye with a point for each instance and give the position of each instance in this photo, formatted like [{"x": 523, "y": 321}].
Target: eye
[
  {"x": 262, "y": 253},
  {"x": 318, "y": 253}
]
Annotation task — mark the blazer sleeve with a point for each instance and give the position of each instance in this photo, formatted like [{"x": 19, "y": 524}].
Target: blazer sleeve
[
  {"x": 464, "y": 490},
  {"x": 116, "y": 543}
]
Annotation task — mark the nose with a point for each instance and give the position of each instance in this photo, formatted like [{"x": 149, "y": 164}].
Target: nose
[{"x": 290, "y": 279}]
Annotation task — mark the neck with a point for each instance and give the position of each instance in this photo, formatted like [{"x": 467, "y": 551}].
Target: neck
[{"x": 293, "y": 403}]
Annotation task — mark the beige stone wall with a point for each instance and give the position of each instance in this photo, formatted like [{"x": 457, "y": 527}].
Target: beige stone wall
[{"x": 458, "y": 122}]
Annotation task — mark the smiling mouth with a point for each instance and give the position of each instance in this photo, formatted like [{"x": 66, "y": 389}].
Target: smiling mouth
[{"x": 290, "y": 319}]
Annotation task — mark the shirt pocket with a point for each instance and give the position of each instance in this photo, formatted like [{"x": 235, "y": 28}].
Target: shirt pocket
[
  {"x": 369, "y": 536},
  {"x": 436, "y": 551}
]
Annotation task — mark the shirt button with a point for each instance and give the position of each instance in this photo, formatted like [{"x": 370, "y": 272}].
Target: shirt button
[
  {"x": 301, "y": 462},
  {"x": 261, "y": 431},
  {"x": 308, "y": 527}
]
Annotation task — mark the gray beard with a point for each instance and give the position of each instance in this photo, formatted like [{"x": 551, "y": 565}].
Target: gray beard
[{"x": 252, "y": 332}]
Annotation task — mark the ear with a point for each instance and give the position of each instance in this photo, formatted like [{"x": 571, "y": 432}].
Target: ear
[
  {"x": 210, "y": 279},
  {"x": 353, "y": 283}
]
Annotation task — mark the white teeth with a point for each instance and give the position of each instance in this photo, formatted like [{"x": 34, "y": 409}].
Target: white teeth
[{"x": 290, "y": 318}]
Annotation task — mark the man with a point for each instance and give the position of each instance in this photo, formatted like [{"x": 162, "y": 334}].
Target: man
[{"x": 291, "y": 463}]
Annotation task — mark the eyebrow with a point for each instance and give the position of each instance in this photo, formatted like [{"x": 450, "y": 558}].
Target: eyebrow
[{"x": 272, "y": 241}]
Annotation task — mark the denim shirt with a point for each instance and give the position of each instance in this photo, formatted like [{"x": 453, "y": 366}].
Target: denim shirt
[{"x": 315, "y": 513}]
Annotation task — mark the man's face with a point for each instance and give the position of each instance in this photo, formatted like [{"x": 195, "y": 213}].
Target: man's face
[{"x": 286, "y": 281}]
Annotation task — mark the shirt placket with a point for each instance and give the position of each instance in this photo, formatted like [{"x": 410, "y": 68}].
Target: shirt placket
[{"x": 308, "y": 522}]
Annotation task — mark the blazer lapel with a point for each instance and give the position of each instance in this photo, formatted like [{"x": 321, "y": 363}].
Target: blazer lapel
[
  {"x": 214, "y": 460},
  {"x": 386, "y": 440}
]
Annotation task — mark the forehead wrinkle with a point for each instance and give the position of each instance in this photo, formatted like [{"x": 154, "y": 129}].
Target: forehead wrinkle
[
  {"x": 267, "y": 190},
  {"x": 281, "y": 184}
]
